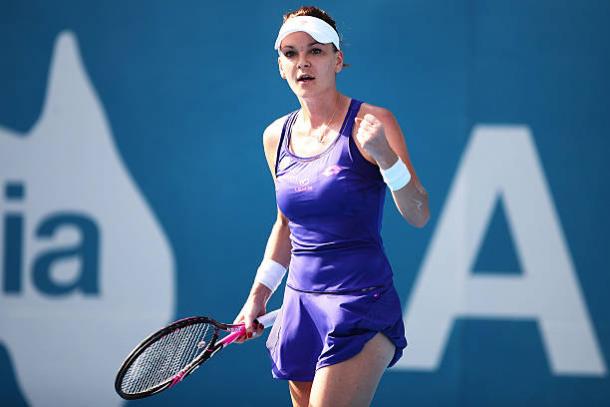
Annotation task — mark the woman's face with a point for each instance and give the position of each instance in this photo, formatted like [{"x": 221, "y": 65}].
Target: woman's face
[{"x": 308, "y": 66}]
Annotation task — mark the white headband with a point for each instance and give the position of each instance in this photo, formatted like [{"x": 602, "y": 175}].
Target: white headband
[{"x": 319, "y": 29}]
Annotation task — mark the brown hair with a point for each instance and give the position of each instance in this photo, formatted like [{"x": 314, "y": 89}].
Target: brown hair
[{"x": 313, "y": 11}]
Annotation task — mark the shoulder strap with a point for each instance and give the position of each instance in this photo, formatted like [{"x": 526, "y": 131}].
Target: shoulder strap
[
  {"x": 280, "y": 146},
  {"x": 354, "y": 108}
]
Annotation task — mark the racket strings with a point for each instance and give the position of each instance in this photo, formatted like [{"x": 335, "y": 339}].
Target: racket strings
[{"x": 163, "y": 359}]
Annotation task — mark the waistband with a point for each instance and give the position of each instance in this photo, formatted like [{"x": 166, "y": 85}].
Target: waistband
[{"x": 340, "y": 292}]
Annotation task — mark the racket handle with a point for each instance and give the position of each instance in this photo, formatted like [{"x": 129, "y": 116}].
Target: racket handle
[
  {"x": 233, "y": 336},
  {"x": 268, "y": 319}
]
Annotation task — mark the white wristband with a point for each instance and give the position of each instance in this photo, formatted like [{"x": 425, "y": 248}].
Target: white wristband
[
  {"x": 270, "y": 273},
  {"x": 397, "y": 176}
]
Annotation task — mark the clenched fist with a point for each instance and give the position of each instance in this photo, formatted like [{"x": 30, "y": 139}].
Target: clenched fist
[{"x": 371, "y": 136}]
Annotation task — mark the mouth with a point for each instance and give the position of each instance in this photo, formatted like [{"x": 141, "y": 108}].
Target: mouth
[{"x": 305, "y": 78}]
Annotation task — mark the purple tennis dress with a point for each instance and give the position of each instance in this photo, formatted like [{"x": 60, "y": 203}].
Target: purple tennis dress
[{"x": 339, "y": 291}]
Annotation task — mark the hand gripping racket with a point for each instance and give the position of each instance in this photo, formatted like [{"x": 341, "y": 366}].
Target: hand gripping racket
[{"x": 167, "y": 356}]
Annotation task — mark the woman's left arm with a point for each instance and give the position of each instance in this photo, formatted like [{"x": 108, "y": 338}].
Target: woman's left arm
[{"x": 381, "y": 137}]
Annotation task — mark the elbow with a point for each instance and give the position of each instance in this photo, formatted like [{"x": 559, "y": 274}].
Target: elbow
[
  {"x": 414, "y": 205},
  {"x": 425, "y": 216},
  {"x": 418, "y": 219},
  {"x": 422, "y": 221}
]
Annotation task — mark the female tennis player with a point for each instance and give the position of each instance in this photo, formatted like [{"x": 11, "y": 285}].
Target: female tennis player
[{"x": 340, "y": 325}]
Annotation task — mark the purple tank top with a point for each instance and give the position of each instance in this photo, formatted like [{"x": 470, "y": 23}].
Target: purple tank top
[{"x": 334, "y": 204}]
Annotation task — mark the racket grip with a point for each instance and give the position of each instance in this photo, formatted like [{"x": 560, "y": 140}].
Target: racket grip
[
  {"x": 268, "y": 319},
  {"x": 233, "y": 336}
]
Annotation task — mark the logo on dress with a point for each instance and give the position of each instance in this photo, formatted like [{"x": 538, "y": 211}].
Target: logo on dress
[
  {"x": 303, "y": 185},
  {"x": 332, "y": 170}
]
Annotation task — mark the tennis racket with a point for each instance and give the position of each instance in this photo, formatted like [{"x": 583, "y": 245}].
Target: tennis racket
[{"x": 169, "y": 355}]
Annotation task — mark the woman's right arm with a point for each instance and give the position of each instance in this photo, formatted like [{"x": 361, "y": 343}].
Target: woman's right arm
[{"x": 278, "y": 244}]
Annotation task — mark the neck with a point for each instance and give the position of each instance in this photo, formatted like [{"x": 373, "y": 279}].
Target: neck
[{"x": 316, "y": 111}]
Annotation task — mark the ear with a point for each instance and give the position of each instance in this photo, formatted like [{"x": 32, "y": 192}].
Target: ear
[
  {"x": 279, "y": 65},
  {"x": 339, "y": 63}
]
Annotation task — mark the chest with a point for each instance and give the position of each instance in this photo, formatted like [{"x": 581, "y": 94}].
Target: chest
[
  {"x": 328, "y": 185},
  {"x": 309, "y": 144},
  {"x": 320, "y": 177}
]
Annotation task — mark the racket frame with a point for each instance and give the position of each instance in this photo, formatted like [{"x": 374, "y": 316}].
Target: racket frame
[{"x": 236, "y": 331}]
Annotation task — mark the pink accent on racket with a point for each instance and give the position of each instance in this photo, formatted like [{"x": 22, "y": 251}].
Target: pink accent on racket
[{"x": 167, "y": 356}]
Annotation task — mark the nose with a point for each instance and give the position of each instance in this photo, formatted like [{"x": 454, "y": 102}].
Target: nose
[{"x": 303, "y": 61}]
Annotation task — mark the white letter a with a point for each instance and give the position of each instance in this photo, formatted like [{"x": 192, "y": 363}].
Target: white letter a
[{"x": 500, "y": 162}]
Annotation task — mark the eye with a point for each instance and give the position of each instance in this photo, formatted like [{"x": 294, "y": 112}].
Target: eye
[
  {"x": 288, "y": 54},
  {"x": 316, "y": 51}
]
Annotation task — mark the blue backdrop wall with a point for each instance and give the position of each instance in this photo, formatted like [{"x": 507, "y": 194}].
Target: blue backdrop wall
[{"x": 134, "y": 190}]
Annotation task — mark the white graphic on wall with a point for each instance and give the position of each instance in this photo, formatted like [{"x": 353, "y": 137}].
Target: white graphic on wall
[
  {"x": 501, "y": 162},
  {"x": 85, "y": 269}
]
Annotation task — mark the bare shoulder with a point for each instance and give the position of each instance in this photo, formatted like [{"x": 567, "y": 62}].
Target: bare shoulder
[
  {"x": 384, "y": 115},
  {"x": 271, "y": 135}
]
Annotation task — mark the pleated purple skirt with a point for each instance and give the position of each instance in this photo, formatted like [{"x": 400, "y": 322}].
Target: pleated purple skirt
[{"x": 314, "y": 330}]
